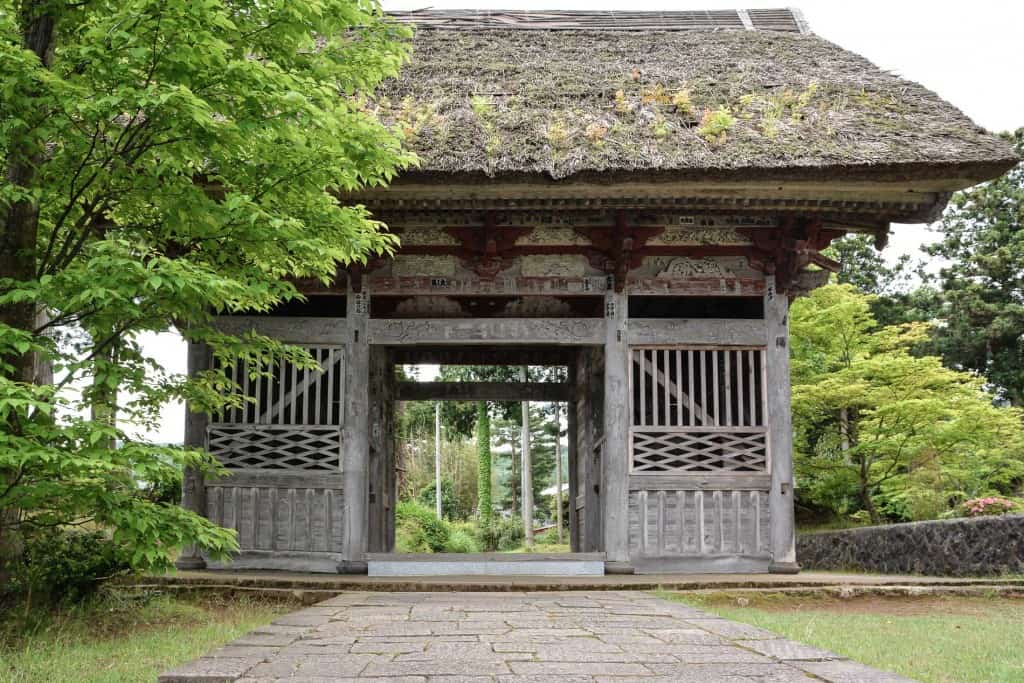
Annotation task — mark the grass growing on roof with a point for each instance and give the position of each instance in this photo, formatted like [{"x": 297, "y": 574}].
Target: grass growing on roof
[
  {"x": 121, "y": 639},
  {"x": 931, "y": 639}
]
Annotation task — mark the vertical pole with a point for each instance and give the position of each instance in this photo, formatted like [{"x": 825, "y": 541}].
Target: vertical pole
[
  {"x": 617, "y": 416},
  {"x": 527, "y": 468},
  {"x": 357, "y": 432},
  {"x": 573, "y": 455},
  {"x": 558, "y": 469},
  {"x": 437, "y": 460},
  {"x": 780, "y": 431},
  {"x": 193, "y": 488}
]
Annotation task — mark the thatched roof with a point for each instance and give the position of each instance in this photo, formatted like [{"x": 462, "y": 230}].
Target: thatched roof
[{"x": 687, "y": 93}]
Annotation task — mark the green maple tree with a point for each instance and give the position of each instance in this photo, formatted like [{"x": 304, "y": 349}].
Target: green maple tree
[{"x": 165, "y": 161}]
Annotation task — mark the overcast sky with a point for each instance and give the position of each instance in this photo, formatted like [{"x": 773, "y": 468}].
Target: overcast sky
[{"x": 969, "y": 53}]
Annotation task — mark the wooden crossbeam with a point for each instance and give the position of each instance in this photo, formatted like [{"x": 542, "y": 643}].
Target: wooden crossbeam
[{"x": 484, "y": 391}]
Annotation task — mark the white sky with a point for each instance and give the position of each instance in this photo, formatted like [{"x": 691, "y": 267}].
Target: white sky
[{"x": 970, "y": 54}]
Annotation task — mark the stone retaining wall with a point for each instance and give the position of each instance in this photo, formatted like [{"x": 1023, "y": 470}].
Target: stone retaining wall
[{"x": 954, "y": 547}]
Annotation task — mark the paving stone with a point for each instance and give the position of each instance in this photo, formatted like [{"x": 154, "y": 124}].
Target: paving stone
[
  {"x": 210, "y": 670},
  {"x": 687, "y": 635},
  {"x": 381, "y": 647},
  {"x": 731, "y": 629},
  {"x": 437, "y": 668},
  {"x": 850, "y": 672},
  {"x": 245, "y": 651},
  {"x": 267, "y": 639},
  {"x": 323, "y": 666},
  {"x": 463, "y": 651},
  {"x": 787, "y": 650},
  {"x": 300, "y": 620},
  {"x": 572, "y": 668},
  {"x": 514, "y": 638},
  {"x": 281, "y": 628}
]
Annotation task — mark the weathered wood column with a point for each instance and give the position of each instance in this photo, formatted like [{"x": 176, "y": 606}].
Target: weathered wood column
[
  {"x": 193, "y": 488},
  {"x": 356, "y": 440},
  {"x": 780, "y": 431},
  {"x": 615, "y": 478}
]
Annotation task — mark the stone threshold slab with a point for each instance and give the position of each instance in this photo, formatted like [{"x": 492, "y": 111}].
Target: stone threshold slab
[{"x": 485, "y": 564}]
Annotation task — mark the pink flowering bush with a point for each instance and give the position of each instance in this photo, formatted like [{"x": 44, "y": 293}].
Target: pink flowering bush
[{"x": 991, "y": 505}]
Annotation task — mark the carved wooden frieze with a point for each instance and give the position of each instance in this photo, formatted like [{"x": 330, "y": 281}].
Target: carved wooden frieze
[
  {"x": 488, "y": 330},
  {"x": 680, "y": 236},
  {"x": 717, "y": 221},
  {"x": 412, "y": 286},
  {"x": 556, "y": 265},
  {"x": 685, "y": 267},
  {"x": 552, "y": 236},
  {"x": 424, "y": 235},
  {"x": 710, "y": 267},
  {"x": 411, "y": 266}
]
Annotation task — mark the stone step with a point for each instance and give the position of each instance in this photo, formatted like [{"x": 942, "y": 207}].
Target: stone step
[{"x": 485, "y": 564}]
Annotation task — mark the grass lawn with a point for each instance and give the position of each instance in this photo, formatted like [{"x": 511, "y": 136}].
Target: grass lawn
[
  {"x": 931, "y": 639},
  {"x": 122, "y": 640}
]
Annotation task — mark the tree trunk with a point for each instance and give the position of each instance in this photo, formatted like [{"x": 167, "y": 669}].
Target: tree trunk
[
  {"x": 527, "y": 494},
  {"x": 558, "y": 470},
  {"x": 438, "y": 503},
  {"x": 483, "y": 479},
  {"x": 18, "y": 235}
]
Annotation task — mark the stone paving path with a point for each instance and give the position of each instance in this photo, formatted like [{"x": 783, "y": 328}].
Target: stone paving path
[{"x": 570, "y": 637}]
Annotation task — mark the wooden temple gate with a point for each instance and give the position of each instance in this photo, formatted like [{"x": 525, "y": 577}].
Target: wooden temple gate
[
  {"x": 572, "y": 207},
  {"x": 678, "y": 458}
]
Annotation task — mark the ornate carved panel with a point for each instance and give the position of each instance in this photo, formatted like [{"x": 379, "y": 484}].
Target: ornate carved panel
[
  {"x": 424, "y": 235},
  {"x": 552, "y": 236},
  {"x": 680, "y": 236},
  {"x": 411, "y": 266},
  {"x": 557, "y": 265}
]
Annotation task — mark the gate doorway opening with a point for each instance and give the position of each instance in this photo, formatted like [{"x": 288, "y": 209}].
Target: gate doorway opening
[{"x": 563, "y": 403}]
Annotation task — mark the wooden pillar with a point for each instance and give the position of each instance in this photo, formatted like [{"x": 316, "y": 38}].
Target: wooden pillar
[
  {"x": 356, "y": 457},
  {"x": 573, "y": 458},
  {"x": 193, "y": 488},
  {"x": 780, "y": 431},
  {"x": 615, "y": 479}
]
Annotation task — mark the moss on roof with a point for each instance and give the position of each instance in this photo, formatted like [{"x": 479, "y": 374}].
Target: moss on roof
[{"x": 566, "y": 102}]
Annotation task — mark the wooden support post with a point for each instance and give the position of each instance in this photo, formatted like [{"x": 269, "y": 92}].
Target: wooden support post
[
  {"x": 780, "y": 431},
  {"x": 193, "y": 488},
  {"x": 615, "y": 479},
  {"x": 356, "y": 457},
  {"x": 573, "y": 455}
]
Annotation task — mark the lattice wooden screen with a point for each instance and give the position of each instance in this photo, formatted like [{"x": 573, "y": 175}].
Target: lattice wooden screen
[
  {"x": 292, "y": 420},
  {"x": 698, "y": 410}
]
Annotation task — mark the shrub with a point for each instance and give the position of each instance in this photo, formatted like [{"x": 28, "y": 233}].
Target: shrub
[
  {"x": 550, "y": 537},
  {"x": 503, "y": 534},
  {"x": 991, "y": 505},
  {"x": 451, "y": 506},
  {"x": 418, "y": 530},
  {"x": 60, "y": 566},
  {"x": 462, "y": 539}
]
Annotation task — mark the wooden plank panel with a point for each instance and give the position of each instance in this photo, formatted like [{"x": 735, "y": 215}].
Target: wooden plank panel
[
  {"x": 695, "y": 331},
  {"x": 547, "y": 331}
]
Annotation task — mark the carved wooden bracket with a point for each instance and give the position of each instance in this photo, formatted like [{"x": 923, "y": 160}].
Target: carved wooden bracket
[
  {"x": 487, "y": 249},
  {"x": 618, "y": 248},
  {"x": 786, "y": 251}
]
